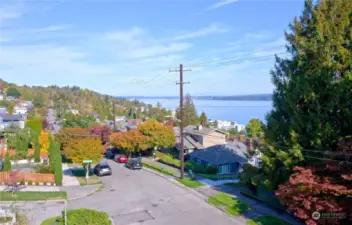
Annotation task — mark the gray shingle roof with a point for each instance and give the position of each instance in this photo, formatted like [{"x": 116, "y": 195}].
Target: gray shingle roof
[
  {"x": 192, "y": 129},
  {"x": 188, "y": 141},
  {"x": 222, "y": 154},
  {"x": 11, "y": 117}
]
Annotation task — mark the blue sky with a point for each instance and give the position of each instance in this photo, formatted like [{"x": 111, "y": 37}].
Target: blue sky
[{"x": 126, "y": 47}]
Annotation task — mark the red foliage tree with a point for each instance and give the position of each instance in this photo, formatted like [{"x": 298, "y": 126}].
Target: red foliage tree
[
  {"x": 103, "y": 132},
  {"x": 44, "y": 124},
  {"x": 67, "y": 135},
  {"x": 323, "y": 188}
]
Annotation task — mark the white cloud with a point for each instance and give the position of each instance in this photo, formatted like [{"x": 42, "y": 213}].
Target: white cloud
[
  {"x": 51, "y": 28},
  {"x": 221, "y": 3},
  {"x": 211, "y": 29},
  {"x": 138, "y": 43},
  {"x": 126, "y": 35}
]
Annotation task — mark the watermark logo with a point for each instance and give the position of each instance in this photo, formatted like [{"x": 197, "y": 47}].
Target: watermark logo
[{"x": 316, "y": 215}]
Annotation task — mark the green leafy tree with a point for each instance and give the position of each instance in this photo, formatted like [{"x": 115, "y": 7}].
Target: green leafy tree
[
  {"x": 216, "y": 124},
  {"x": 190, "y": 115},
  {"x": 203, "y": 119},
  {"x": 7, "y": 163},
  {"x": 254, "y": 128},
  {"x": 14, "y": 92}
]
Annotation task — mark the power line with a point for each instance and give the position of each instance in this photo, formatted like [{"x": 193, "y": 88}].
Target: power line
[{"x": 231, "y": 57}]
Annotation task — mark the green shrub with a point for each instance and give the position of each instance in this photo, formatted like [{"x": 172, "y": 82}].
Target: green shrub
[
  {"x": 200, "y": 169},
  {"x": 35, "y": 124},
  {"x": 30, "y": 182},
  {"x": 37, "y": 183},
  {"x": 85, "y": 216},
  {"x": 22, "y": 182},
  {"x": 43, "y": 169},
  {"x": 7, "y": 163},
  {"x": 168, "y": 160}
]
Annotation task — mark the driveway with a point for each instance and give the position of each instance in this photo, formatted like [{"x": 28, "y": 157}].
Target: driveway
[{"x": 141, "y": 197}]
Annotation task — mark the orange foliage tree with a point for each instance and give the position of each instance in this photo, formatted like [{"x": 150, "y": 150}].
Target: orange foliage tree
[
  {"x": 84, "y": 149},
  {"x": 158, "y": 135},
  {"x": 131, "y": 141},
  {"x": 68, "y": 135},
  {"x": 44, "y": 141}
]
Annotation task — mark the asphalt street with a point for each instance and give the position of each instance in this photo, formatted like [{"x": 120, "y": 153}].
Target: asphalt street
[
  {"x": 141, "y": 197},
  {"x": 132, "y": 197}
]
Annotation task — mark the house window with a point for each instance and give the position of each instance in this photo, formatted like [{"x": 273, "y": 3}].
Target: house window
[
  {"x": 199, "y": 161},
  {"x": 224, "y": 169},
  {"x": 209, "y": 164}
]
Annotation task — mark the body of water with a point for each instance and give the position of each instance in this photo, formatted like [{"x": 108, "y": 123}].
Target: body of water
[{"x": 239, "y": 111}]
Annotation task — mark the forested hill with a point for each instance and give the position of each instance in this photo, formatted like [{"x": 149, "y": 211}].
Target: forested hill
[
  {"x": 253, "y": 97},
  {"x": 83, "y": 100}
]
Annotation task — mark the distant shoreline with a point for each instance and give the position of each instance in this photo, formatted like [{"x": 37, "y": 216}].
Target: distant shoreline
[{"x": 256, "y": 97}]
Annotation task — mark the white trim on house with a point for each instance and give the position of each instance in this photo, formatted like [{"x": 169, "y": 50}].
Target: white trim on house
[{"x": 224, "y": 169}]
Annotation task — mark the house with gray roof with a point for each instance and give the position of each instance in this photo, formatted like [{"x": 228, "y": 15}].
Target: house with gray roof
[
  {"x": 205, "y": 136},
  {"x": 227, "y": 158},
  {"x": 7, "y": 120},
  {"x": 189, "y": 143}
]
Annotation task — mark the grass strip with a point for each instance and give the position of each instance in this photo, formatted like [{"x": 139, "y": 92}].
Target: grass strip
[
  {"x": 80, "y": 174},
  {"x": 33, "y": 195},
  {"x": 188, "y": 182},
  {"x": 267, "y": 220},
  {"x": 231, "y": 205},
  {"x": 159, "y": 169}
]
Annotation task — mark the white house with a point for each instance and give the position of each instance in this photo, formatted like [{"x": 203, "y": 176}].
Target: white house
[
  {"x": 20, "y": 110},
  {"x": 3, "y": 110},
  {"x": 11, "y": 120},
  {"x": 74, "y": 111},
  {"x": 2, "y": 96},
  {"x": 119, "y": 119}
]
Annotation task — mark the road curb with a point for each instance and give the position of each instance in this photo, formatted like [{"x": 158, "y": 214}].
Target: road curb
[
  {"x": 87, "y": 195},
  {"x": 36, "y": 201},
  {"x": 173, "y": 180}
]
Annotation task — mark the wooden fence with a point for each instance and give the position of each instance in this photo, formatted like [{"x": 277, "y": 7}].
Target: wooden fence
[
  {"x": 30, "y": 151},
  {"x": 27, "y": 177}
]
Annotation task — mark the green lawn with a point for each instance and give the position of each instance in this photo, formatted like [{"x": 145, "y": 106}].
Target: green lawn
[
  {"x": 267, "y": 220},
  {"x": 216, "y": 177},
  {"x": 190, "y": 182},
  {"x": 32, "y": 195},
  {"x": 228, "y": 203},
  {"x": 158, "y": 168},
  {"x": 81, "y": 177}
]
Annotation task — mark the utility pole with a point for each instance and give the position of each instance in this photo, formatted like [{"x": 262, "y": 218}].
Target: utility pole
[{"x": 182, "y": 151}]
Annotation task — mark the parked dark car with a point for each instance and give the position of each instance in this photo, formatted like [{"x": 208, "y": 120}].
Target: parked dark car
[
  {"x": 134, "y": 164},
  {"x": 102, "y": 169},
  {"x": 111, "y": 152}
]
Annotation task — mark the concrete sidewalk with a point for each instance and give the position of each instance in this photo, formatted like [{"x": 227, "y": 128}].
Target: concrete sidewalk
[
  {"x": 31, "y": 188},
  {"x": 68, "y": 178},
  {"x": 77, "y": 192}
]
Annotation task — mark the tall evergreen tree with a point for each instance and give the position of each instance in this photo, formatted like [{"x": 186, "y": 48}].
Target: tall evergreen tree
[
  {"x": 312, "y": 99},
  {"x": 190, "y": 115},
  {"x": 7, "y": 163},
  {"x": 203, "y": 119}
]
